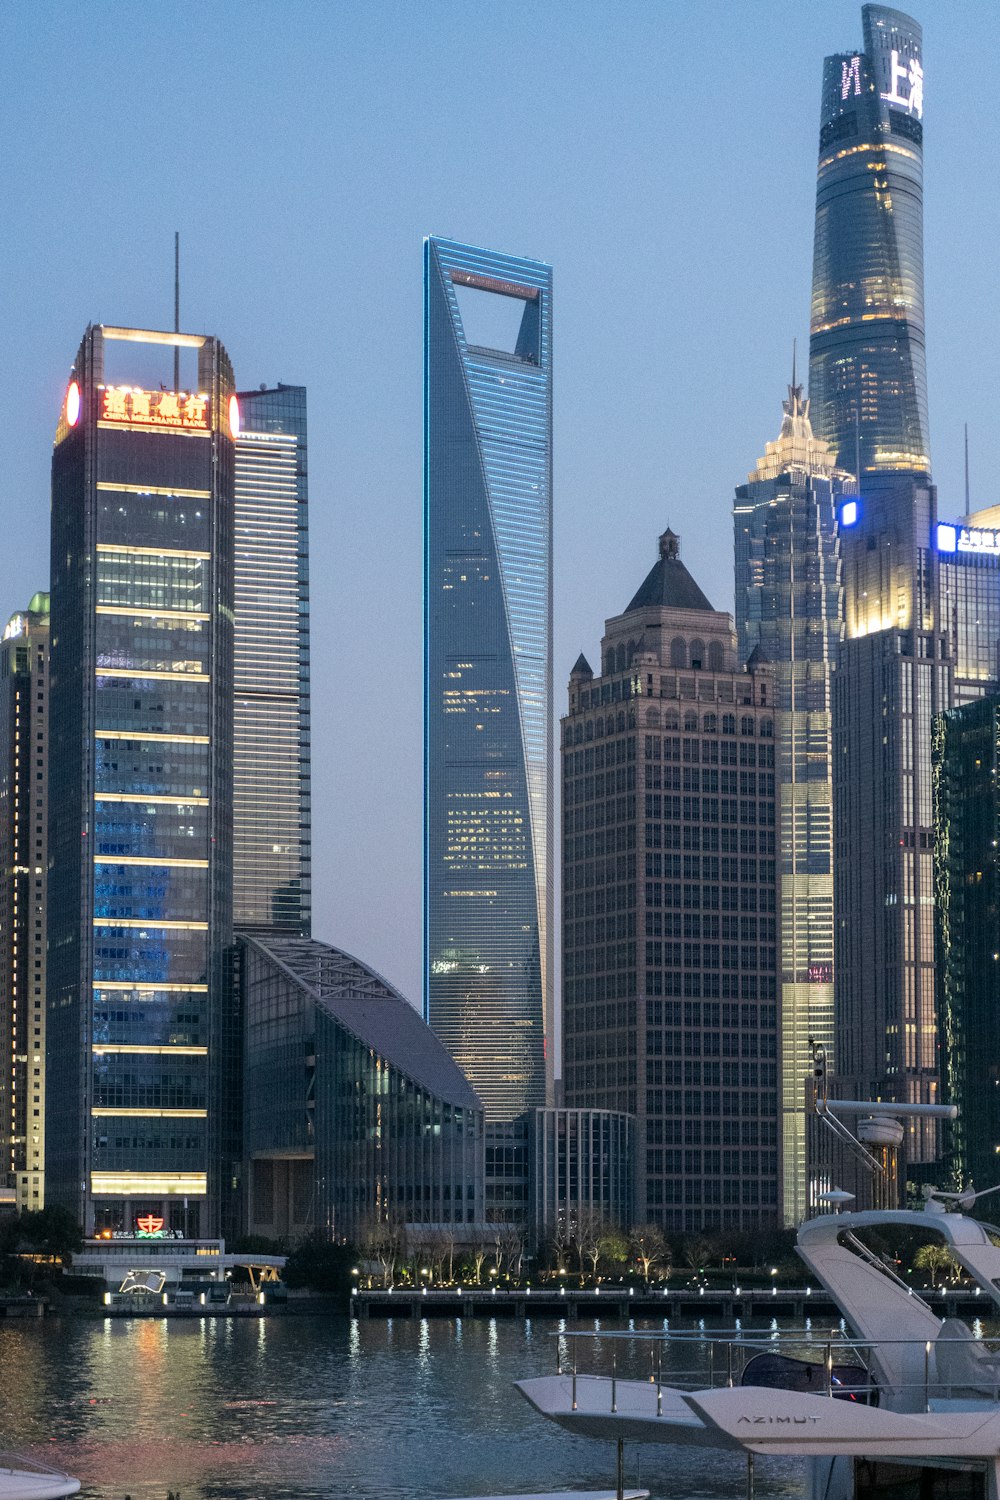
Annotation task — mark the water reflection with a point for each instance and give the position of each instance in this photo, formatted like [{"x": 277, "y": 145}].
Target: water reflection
[{"x": 299, "y": 1408}]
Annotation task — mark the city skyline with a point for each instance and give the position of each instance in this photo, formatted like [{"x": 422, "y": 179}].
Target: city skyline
[{"x": 651, "y": 393}]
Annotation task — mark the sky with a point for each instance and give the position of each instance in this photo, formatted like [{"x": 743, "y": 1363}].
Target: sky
[{"x": 661, "y": 156}]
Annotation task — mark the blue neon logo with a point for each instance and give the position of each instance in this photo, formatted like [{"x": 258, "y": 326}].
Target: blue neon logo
[
  {"x": 849, "y": 513},
  {"x": 947, "y": 537}
]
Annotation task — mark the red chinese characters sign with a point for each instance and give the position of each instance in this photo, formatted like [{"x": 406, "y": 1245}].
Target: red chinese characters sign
[
  {"x": 178, "y": 410},
  {"x": 149, "y": 1224}
]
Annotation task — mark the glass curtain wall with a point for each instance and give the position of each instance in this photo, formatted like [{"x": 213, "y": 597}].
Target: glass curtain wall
[
  {"x": 271, "y": 745},
  {"x": 140, "y": 811},
  {"x": 867, "y": 364},
  {"x": 487, "y": 636}
]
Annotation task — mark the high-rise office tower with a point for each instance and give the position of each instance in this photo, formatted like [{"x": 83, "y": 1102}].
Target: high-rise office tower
[
  {"x": 867, "y": 368},
  {"x": 487, "y": 651},
  {"x": 24, "y": 679},
  {"x": 967, "y": 829},
  {"x": 669, "y": 903},
  {"x": 789, "y": 604},
  {"x": 271, "y": 760},
  {"x": 868, "y": 390},
  {"x": 141, "y": 1039}
]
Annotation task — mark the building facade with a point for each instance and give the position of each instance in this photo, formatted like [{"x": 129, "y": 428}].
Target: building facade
[
  {"x": 670, "y": 904},
  {"x": 487, "y": 650},
  {"x": 355, "y": 1114},
  {"x": 24, "y": 735},
  {"x": 581, "y": 1174},
  {"x": 967, "y": 890},
  {"x": 271, "y": 732},
  {"x": 141, "y": 1041},
  {"x": 867, "y": 364},
  {"x": 789, "y": 605}
]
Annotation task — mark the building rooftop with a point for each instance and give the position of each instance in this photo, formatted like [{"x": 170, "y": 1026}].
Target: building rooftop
[
  {"x": 668, "y": 584},
  {"x": 371, "y": 1009}
]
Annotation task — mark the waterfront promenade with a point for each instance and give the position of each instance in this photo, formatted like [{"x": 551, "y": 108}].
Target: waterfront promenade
[{"x": 625, "y": 1302}]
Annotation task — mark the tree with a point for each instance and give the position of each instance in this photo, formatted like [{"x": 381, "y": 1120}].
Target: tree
[
  {"x": 589, "y": 1228},
  {"x": 320, "y": 1266},
  {"x": 479, "y": 1254},
  {"x": 50, "y": 1232},
  {"x": 509, "y": 1242},
  {"x": 649, "y": 1246},
  {"x": 613, "y": 1246},
  {"x": 935, "y": 1258},
  {"x": 384, "y": 1240}
]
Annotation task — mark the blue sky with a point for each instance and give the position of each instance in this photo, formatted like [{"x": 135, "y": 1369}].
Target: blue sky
[{"x": 660, "y": 156}]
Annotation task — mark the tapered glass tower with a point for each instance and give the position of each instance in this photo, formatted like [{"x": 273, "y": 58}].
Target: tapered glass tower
[
  {"x": 488, "y": 667},
  {"x": 867, "y": 367}
]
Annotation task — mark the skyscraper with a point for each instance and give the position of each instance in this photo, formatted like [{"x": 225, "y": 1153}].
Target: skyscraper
[
  {"x": 967, "y": 828},
  {"x": 789, "y": 604},
  {"x": 895, "y": 669},
  {"x": 487, "y": 675},
  {"x": 271, "y": 742},
  {"x": 867, "y": 367},
  {"x": 24, "y": 691},
  {"x": 669, "y": 903},
  {"x": 140, "y": 1032}
]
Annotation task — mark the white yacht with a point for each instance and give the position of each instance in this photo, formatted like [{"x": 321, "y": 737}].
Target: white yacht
[
  {"x": 898, "y": 1404},
  {"x": 23, "y": 1479}
]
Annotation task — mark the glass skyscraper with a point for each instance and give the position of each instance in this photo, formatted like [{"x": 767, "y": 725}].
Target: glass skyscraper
[
  {"x": 24, "y": 734},
  {"x": 488, "y": 669},
  {"x": 142, "y": 1045},
  {"x": 967, "y": 906},
  {"x": 789, "y": 607},
  {"x": 271, "y": 757},
  {"x": 867, "y": 367}
]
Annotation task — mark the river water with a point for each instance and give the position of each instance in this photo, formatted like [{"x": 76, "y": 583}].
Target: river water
[{"x": 298, "y": 1408}]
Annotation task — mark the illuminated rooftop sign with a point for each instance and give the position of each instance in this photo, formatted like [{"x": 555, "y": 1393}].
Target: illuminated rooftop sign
[
  {"x": 15, "y": 627},
  {"x": 954, "y": 538},
  {"x": 909, "y": 74},
  {"x": 128, "y": 406}
]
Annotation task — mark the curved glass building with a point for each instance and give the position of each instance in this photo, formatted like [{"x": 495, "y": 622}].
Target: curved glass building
[
  {"x": 488, "y": 667},
  {"x": 867, "y": 368}
]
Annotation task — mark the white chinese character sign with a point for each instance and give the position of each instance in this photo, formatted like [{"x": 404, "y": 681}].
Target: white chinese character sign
[{"x": 906, "y": 84}]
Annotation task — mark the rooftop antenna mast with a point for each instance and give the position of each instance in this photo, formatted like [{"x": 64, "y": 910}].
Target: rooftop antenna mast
[
  {"x": 795, "y": 343},
  {"x": 968, "y": 507},
  {"x": 177, "y": 307}
]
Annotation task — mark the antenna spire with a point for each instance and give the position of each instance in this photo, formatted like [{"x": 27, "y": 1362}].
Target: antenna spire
[
  {"x": 177, "y": 307},
  {"x": 968, "y": 507},
  {"x": 795, "y": 343}
]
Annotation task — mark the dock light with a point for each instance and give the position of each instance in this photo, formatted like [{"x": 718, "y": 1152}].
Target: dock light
[
  {"x": 260, "y": 1298},
  {"x": 423, "y": 1291},
  {"x": 164, "y": 1299},
  {"x": 354, "y": 1271},
  {"x": 809, "y": 1291},
  {"x": 738, "y": 1290},
  {"x": 562, "y": 1291},
  {"x": 701, "y": 1291},
  {"x": 107, "y": 1299},
  {"x": 630, "y": 1291}
]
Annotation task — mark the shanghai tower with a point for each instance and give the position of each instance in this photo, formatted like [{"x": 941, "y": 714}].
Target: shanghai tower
[
  {"x": 867, "y": 366},
  {"x": 488, "y": 668},
  {"x": 895, "y": 670}
]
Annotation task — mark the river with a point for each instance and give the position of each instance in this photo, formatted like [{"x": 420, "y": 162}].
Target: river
[{"x": 298, "y": 1408}]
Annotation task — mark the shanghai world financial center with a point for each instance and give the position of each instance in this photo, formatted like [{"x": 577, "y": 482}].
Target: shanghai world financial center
[{"x": 488, "y": 672}]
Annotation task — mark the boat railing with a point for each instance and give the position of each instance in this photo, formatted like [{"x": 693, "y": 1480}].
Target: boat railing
[
  {"x": 724, "y": 1355},
  {"x": 21, "y": 1463}
]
